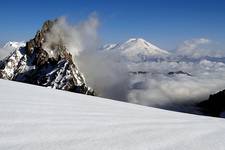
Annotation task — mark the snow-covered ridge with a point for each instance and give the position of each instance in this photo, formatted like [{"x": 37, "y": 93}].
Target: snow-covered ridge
[
  {"x": 13, "y": 44},
  {"x": 109, "y": 46},
  {"x": 42, "y": 118}
]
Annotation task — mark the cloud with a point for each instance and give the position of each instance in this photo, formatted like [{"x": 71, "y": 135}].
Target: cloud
[
  {"x": 77, "y": 38},
  {"x": 199, "y": 48},
  {"x": 194, "y": 43},
  {"x": 159, "y": 89},
  {"x": 102, "y": 72}
]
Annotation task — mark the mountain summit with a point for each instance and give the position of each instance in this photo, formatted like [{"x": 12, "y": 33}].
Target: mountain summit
[
  {"x": 137, "y": 49},
  {"x": 33, "y": 64}
]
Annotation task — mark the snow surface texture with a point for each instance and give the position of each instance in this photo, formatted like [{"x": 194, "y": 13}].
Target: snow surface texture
[{"x": 37, "y": 118}]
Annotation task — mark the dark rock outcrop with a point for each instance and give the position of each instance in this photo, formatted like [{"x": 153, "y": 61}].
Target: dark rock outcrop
[
  {"x": 138, "y": 72},
  {"x": 32, "y": 64},
  {"x": 179, "y": 72},
  {"x": 215, "y": 105}
]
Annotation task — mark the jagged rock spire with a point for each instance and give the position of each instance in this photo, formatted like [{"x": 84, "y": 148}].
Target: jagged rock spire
[{"x": 32, "y": 64}]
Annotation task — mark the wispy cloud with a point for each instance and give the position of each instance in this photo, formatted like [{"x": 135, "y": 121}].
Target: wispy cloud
[
  {"x": 76, "y": 37},
  {"x": 199, "y": 48}
]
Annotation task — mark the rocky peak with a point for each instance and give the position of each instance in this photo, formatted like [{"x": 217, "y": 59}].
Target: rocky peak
[
  {"x": 32, "y": 64},
  {"x": 37, "y": 42}
]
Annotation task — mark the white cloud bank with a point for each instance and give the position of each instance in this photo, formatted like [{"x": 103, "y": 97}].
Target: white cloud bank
[{"x": 158, "y": 88}]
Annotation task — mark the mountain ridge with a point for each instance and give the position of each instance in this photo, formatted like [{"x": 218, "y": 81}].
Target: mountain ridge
[{"x": 14, "y": 44}]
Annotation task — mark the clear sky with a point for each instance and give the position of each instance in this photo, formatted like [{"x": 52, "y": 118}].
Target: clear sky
[{"x": 165, "y": 23}]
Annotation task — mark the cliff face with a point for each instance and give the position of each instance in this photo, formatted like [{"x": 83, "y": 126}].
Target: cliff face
[
  {"x": 33, "y": 64},
  {"x": 215, "y": 105}
]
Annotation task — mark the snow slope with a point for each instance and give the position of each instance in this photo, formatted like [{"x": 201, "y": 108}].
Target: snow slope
[{"x": 38, "y": 118}]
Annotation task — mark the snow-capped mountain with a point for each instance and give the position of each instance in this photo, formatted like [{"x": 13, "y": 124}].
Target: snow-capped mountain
[
  {"x": 137, "y": 49},
  {"x": 31, "y": 63}
]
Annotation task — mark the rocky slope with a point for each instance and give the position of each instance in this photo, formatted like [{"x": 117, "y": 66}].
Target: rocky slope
[
  {"x": 33, "y": 64},
  {"x": 215, "y": 105}
]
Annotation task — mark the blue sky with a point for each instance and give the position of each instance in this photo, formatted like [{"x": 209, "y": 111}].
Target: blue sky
[{"x": 165, "y": 23}]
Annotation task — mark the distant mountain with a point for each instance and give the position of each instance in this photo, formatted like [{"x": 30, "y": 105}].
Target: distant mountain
[
  {"x": 137, "y": 49},
  {"x": 31, "y": 63},
  {"x": 14, "y": 45}
]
